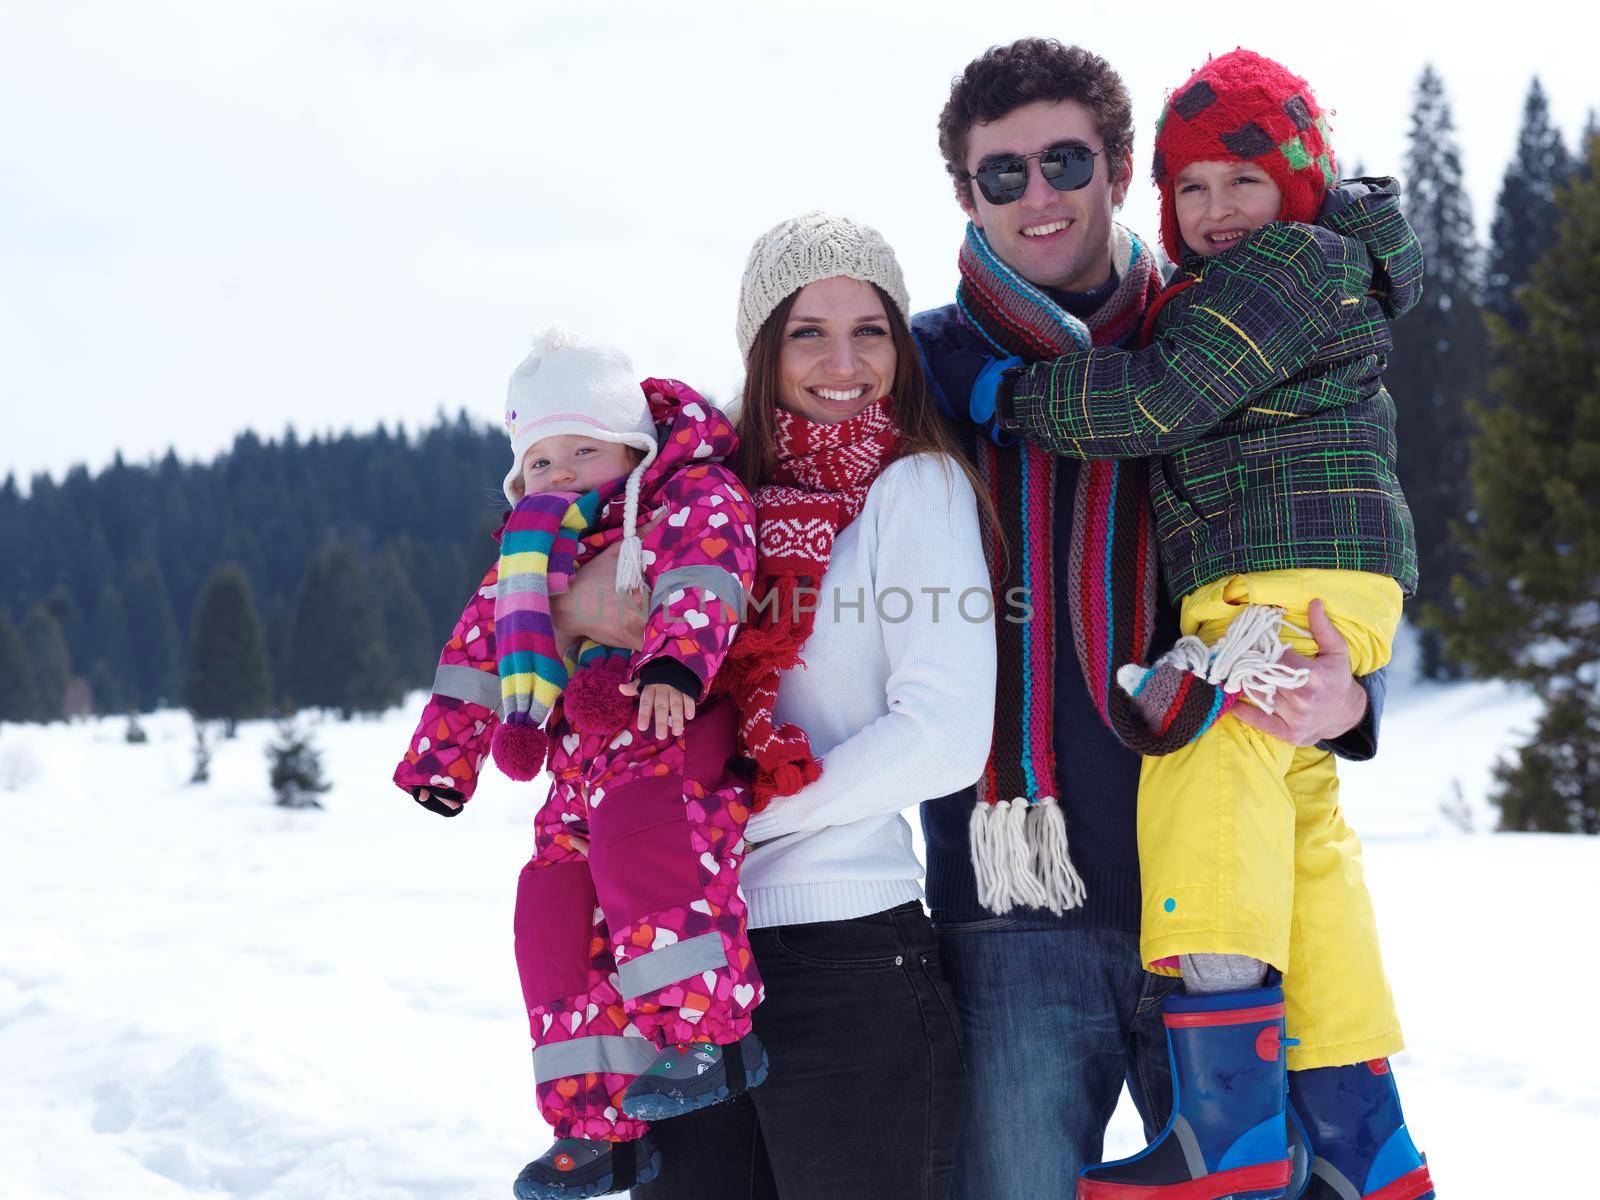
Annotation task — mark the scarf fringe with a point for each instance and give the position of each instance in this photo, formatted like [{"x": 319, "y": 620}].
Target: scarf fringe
[
  {"x": 1021, "y": 858},
  {"x": 1047, "y": 830},
  {"x": 1246, "y": 661}
]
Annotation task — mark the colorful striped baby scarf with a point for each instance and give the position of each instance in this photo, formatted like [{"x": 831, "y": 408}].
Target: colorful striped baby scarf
[
  {"x": 538, "y": 554},
  {"x": 1019, "y": 835}
]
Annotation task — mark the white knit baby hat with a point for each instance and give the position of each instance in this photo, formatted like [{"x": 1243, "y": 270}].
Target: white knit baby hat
[
  {"x": 567, "y": 385},
  {"x": 804, "y": 249}
]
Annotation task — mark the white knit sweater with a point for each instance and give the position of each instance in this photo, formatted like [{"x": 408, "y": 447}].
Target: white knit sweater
[{"x": 899, "y": 711}]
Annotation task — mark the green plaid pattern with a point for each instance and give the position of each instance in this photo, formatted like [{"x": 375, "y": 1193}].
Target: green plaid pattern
[
  {"x": 1392, "y": 246},
  {"x": 1262, "y": 400}
]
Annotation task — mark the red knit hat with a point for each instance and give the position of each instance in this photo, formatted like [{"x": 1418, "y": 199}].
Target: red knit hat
[{"x": 1241, "y": 107}]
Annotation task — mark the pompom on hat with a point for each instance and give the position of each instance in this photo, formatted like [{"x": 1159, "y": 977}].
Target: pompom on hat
[
  {"x": 805, "y": 249},
  {"x": 1243, "y": 107}
]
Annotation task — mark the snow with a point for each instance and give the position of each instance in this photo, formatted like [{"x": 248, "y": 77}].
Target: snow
[{"x": 202, "y": 995}]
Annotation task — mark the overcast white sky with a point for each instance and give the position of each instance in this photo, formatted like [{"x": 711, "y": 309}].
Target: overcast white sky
[{"x": 219, "y": 216}]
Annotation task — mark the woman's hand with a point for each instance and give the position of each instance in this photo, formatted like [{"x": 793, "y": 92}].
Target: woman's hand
[
  {"x": 669, "y": 707},
  {"x": 592, "y": 607},
  {"x": 1328, "y": 705}
]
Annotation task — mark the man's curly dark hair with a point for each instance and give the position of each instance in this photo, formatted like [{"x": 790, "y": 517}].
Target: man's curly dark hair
[{"x": 1004, "y": 78}]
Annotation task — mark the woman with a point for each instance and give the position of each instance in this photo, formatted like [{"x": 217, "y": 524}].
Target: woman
[{"x": 861, "y": 495}]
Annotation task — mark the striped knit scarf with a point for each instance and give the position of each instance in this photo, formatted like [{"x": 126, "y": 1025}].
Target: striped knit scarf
[
  {"x": 538, "y": 553},
  {"x": 1019, "y": 839},
  {"x": 818, "y": 487}
]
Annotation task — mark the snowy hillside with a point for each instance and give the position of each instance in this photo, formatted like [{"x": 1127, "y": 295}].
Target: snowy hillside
[{"x": 201, "y": 995}]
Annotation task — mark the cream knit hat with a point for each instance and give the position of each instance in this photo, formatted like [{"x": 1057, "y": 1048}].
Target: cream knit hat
[{"x": 805, "y": 249}]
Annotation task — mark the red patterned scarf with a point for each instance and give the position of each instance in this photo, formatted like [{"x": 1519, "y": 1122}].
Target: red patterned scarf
[{"x": 818, "y": 487}]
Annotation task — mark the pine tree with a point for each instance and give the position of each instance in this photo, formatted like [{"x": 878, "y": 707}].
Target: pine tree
[
  {"x": 275, "y": 622},
  {"x": 1438, "y": 361},
  {"x": 19, "y": 695},
  {"x": 153, "y": 638},
  {"x": 110, "y": 693},
  {"x": 227, "y": 677},
  {"x": 1525, "y": 214},
  {"x": 337, "y": 649},
  {"x": 110, "y": 642},
  {"x": 137, "y": 542},
  {"x": 1528, "y": 606},
  {"x": 296, "y": 771},
  {"x": 407, "y": 630},
  {"x": 1553, "y": 785},
  {"x": 64, "y": 607},
  {"x": 110, "y": 665},
  {"x": 46, "y": 647}
]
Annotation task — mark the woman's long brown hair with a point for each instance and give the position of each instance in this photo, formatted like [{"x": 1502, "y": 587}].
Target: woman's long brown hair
[{"x": 923, "y": 429}]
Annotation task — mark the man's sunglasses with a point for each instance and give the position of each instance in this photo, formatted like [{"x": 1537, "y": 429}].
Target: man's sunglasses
[{"x": 1065, "y": 168}]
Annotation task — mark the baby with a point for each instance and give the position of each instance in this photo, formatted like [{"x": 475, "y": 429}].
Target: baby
[{"x": 630, "y": 928}]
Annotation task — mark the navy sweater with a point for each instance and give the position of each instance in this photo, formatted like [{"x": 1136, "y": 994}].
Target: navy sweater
[{"x": 1097, "y": 775}]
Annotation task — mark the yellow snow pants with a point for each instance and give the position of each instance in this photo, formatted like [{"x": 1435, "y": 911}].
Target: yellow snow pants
[{"x": 1242, "y": 845}]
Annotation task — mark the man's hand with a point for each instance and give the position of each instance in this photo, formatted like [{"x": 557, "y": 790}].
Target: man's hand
[
  {"x": 1329, "y": 704},
  {"x": 592, "y": 607},
  {"x": 669, "y": 707}
]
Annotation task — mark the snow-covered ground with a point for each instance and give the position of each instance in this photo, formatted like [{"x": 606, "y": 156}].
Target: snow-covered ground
[{"x": 203, "y": 995}]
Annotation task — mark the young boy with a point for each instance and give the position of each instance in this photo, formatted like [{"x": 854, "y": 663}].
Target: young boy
[{"x": 1273, "y": 484}]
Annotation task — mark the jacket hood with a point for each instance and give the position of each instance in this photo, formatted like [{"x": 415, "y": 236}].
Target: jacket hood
[
  {"x": 1368, "y": 211},
  {"x": 689, "y": 429}
]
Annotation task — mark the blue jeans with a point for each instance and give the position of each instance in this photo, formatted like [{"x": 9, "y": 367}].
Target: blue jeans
[{"x": 1056, "y": 1017}]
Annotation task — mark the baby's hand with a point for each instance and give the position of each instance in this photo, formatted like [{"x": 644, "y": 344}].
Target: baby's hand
[
  {"x": 669, "y": 707},
  {"x": 445, "y": 806}
]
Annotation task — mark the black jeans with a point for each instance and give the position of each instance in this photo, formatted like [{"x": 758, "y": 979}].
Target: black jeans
[{"x": 867, "y": 1089}]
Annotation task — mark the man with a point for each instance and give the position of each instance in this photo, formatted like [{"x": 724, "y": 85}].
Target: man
[{"x": 1057, "y": 1009}]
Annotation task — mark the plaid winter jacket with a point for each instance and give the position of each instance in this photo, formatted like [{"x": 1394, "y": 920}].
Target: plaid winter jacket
[{"x": 1260, "y": 397}]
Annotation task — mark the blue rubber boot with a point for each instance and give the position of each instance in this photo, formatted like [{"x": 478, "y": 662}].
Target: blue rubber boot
[
  {"x": 1229, "y": 1131},
  {"x": 1299, "y": 1157},
  {"x": 1358, "y": 1135}
]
